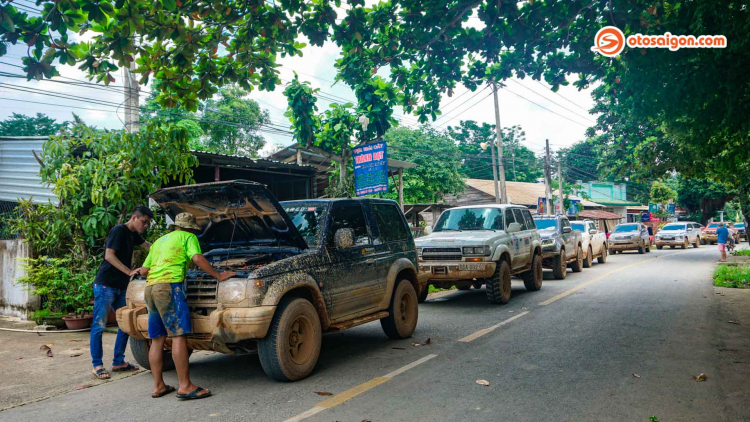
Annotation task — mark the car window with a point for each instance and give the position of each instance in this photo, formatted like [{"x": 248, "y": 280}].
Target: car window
[
  {"x": 546, "y": 223},
  {"x": 351, "y": 217},
  {"x": 626, "y": 228},
  {"x": 390, "y": 223},
  {"x": 529, "y": 220},
  {"x": 308, "y": 218},
  {"x": 518, "y": 213},
  {"x": 564, "y": 222},
  {"x": 592, "y": 226},
  {"x": 578, "y": 226},
  {"x": 675, "y": 227},
  {"x": 509, "y": 217},
  {"x": 470, "y": 219}
]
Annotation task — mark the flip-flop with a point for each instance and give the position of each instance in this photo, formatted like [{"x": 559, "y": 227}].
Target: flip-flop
[
  {"x": 99, "y": 372},
  {"x": 193, "y": 395},
  {"x": 166, "y": 391},
  {"x": 128, "y": 368}
]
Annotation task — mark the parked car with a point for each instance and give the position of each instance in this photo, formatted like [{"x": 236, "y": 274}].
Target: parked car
[
  {"x": 594, "y": 242},
  {"x": 303, "y": 268},
  {"x": 562, "y": 246},
  {"x": 709, "y": 233},
  {"x": 482, "y": 244},
  {"x": 628, "y": 237},
  {"x": 678, "y": 234},
  {"x": 741, "y": 232}
]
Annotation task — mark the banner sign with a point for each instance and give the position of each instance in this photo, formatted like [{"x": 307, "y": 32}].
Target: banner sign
[
  {"x": 370, "y": 169},
  {"x": 645, "y": 216},
  {"x": 653, "y": 208},
  {"x": 670, "y": 209},
  {"x": 540, "y": 205},
  {"x": 575, "y": 207}
]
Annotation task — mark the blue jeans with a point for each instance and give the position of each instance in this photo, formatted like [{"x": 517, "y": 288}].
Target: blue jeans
[{"x": 104, "y": 299}]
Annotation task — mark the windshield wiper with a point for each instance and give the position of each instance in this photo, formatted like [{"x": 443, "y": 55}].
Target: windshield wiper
[
  {"x": 453, "y": 230},
  {"x": 479, "y": 228}
]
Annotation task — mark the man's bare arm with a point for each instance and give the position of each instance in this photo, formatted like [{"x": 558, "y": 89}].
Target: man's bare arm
[
  {"x": 109, "y": 256},
  {"x": 204, "y": 265}
]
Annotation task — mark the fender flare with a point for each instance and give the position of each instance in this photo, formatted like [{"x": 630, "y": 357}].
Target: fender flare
[
  {"x": 397, "y": 266},
  {"x": 499, "y": 251},
  {"x": 291, "y": 282}
]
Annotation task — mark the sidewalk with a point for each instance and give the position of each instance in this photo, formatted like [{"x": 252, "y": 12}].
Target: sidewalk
[{"x": 29, "y": 375}]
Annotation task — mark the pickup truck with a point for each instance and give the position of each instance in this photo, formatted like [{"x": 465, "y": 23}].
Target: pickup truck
[
  {"x": 303, "y": 268},
  {"x": 594, "y": 242},
  {"x": 562, "y": 246},
  {"x": 482, "y": 245}
]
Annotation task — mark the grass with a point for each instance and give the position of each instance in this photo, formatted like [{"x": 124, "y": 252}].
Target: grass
[
  {"x": 737, "y": 277},
  {"x": 741, "y": 252},
  {"x": 434, "y": 289}
]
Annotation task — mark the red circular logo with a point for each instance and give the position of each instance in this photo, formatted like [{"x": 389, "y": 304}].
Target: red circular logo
[{"x": 609, "y": 41}]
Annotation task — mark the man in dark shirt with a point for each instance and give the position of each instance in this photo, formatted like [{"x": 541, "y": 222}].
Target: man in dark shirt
[{"x": 110, "y": 286}]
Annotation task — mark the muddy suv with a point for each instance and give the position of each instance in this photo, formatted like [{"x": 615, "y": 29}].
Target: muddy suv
[
  {"x": 482, "y": 244},
  {"x": 562, "y": 246},
  {"x": 303, "y": 268}
]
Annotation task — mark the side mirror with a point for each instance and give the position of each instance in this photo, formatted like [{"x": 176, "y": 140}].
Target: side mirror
[
  {"x": 592, "y": 231},
  {"x": 514, "y": 227},
  {"x": 567, "y": 229},
  {"x": 343, "y": 238},
  {"x": 427, "y": 230}
]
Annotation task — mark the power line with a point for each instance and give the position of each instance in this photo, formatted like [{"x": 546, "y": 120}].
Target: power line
[{"x": 553, "y": 102}]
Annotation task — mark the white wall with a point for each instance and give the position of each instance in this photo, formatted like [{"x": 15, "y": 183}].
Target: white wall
[{"x": 15, "y": 300}]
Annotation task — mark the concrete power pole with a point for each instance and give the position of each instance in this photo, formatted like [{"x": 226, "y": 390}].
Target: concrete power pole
[
  {"x": 547, "y": 181},
  {"x": 494, "y": 174},
  {"x": 131, "y": 103},
  {"x": 499, "y": 131},
  {"x": 560, "y": 185}
]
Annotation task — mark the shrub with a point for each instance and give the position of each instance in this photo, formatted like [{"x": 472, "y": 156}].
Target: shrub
[
  {"x": 64, "y": 285},
  {"x": 732, "y": 276},
  {"x": 741, "y": 252}
]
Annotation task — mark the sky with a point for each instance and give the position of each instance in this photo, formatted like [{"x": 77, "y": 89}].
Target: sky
[{"x": 561, "y": 117}]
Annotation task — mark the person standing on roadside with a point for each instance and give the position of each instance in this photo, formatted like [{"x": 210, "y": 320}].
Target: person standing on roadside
[
  {"x": 110, "y": 286},
  {"x": 721, "y": 240},
  {"x": 168, "y": 312}
]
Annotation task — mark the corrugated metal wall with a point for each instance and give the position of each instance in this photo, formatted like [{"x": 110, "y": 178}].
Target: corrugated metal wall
[{"x": 19, "y": 171}]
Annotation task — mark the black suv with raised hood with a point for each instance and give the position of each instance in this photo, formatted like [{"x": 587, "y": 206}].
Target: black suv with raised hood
[{"x": 303, "y": 268}]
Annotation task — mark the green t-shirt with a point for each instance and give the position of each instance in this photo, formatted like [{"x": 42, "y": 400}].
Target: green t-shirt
[{"x": 169, "y": 257}]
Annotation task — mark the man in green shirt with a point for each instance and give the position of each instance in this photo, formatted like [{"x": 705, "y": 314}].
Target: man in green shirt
[{"x": 168, "y": 311}]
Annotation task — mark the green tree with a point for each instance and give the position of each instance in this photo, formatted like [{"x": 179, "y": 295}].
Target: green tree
[
  {"x": 231, "y": 123},
  {"x": 437, "y": 158},
  {"x": 702, "y": 198},
  {"x": 661, "y": 194},
  {"x": 582, "y": 162},
  {"x": 21, "y": 125}
]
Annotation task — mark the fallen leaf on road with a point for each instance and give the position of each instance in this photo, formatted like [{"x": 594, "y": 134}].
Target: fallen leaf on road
[
  {"x": 75, "y": 340},
  {"x": 81, "y": 387},
  {"x": 366, "y": 420},
  {"x": 701, "y": 377},
  {"x": 733, "y": 322},
  {"x": 47, "y": 348},
  {"x": 76, "y": 355},
  {"x": 19, "y": 358},
  {"x": 483, "y": 382},
  {"x": 416, "y": 344},
  {"x": 636, "y": 376},
  {"x": 653, "y": 419},
  {"x": 398, "y": 348},
  {"x": 427, "y": 343},
  {"x": 213, "y": 415},
  {"x": 323, "y": 393}
]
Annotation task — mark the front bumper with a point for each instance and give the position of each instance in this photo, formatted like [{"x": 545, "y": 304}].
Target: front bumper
[
  {"x": 669, "y": 242},
  {"x": 623, "y": 245},
  {"x": 212, "y": 332},
  {"x": 455, "y": 270},
  {"x": 709, "y": 237}
]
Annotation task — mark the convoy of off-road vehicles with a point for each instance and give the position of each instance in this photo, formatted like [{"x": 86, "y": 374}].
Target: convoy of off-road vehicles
[{"x": 304, "y": 268}]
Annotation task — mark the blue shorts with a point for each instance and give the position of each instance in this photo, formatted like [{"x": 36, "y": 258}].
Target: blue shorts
[{"x": 168, "y": 312}]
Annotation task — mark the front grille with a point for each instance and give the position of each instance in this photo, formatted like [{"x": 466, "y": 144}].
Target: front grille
[
  {"x": 438, "y": 250},
  {"x": 200, "y": 291},
  {"x": 441, "y": 257}
]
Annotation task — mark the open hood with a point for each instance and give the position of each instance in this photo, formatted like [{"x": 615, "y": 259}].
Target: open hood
[{"x": 237, "y": 213}]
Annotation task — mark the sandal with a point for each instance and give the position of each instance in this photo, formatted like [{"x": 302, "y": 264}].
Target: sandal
[
  {"x": 193, "y": 395},
  {"x": 101, "y": 374},
  {"x": 129, "y": 367},
  {"x": 166, "y": 391}
]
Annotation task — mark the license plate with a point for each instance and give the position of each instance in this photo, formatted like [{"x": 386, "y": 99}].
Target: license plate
[
  {"x": 440, "y": 270},
  {"x": 668, "y": 238},
  {"x": 471, "y": 267}
]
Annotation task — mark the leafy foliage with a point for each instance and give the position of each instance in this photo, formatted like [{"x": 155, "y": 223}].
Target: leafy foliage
[
  {"x": 63, "y": 285},
  {"x": 737, "y": 277},
  {"x": 231, "y": 123},
  {"x": 21, "y": 125},
  {"x": 661, "y": 194}
]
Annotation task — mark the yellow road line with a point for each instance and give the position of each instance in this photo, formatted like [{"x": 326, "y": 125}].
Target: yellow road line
[
  {"x": 480, "y": 333},
  {"x": 582, "y": 285},
  {"x": 356, "y": 391}
]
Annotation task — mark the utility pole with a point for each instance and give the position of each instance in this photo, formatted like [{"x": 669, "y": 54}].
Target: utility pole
[
  {"x": 132, "y": 104},
  {"x": 560, "y": 185},
  {"x": 499, "y": 131},
  {"x": 547, "y": 181},
  {"x": 494, "y": 174}
]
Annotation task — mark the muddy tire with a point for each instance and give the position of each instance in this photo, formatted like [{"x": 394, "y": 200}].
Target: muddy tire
[
  {"x": 478, "y": 285},
  {"x": 403, "y": 312},
  {"x": 577, "y": 265},
  {"x": 290, "y": 350},
  {"x": 684, "y": 244},
  {"x": 589, "y": 259},
  {"x": 697, "y": 243},
  {"x": 642, "y": 249},
  {"x": 423, "y": 294},
  {"x": 559, "y": 269},
  {"x": 603, "y": 257},
  {"x": 139, "y": 348},
  {"x": 498, "y": 286},
  {"x": 659, "y": 247},
  {"x": 532, "y": 278}
]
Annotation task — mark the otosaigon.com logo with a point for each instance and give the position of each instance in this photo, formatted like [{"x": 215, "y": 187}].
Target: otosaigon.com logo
[{"x": 610, "y": 41}]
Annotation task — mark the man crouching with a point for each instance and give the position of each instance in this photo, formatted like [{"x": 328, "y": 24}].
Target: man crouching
[{"x": 168, "y": 312}]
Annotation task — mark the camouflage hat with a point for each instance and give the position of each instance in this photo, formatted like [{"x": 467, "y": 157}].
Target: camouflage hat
[{"x": 186, "y": 220}]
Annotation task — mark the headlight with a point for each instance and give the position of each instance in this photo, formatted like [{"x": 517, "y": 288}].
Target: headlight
[
  {"x": 476, "y": 250},
  {"x": 419, "y": 251},
  {"x": 135, "y": 292},
  {"x": 232, "y": 291},
  {"x": 678, "y": 237},
  {"x": 635, "y": 237},
  {"x": 548, "y": 242}
]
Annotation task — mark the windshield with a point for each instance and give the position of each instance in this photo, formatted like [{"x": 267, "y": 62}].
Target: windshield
[
  {"x": 674, "y": 227},
  {"x": 713, "y": 226},
  {"x": 626, "y": 228},
  {"x": 471, "y": 219},
  {"x": 308, "y": 218},
  {"x": 546, "y": 224},
  {"x": 740, "y": 225},
  {"x": 578, "y": 226}
]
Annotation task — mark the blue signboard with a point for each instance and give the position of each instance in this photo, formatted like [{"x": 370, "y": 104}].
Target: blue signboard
[
  {"x": 645, "y": 216},
  {"x": 670, "y": 209},
  {"x": 370, "y": 169},
  {"x": 575, "y": 207}
]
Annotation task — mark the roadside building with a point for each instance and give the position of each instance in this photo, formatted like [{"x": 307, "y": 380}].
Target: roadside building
[{"x": 614, "y": 197}]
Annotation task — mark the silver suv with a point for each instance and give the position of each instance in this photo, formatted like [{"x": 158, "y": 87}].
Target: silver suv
[
  {"x": 482, "y": 244},
  {"x": 628, "y": 237},
  {"x": 678, "y": 234}
]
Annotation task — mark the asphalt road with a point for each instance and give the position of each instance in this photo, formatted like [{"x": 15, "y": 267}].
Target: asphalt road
[{"x": 619, "y": 341}]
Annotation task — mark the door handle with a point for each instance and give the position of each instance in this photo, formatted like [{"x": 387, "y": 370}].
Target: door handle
[{"x": 369, "y": 261}]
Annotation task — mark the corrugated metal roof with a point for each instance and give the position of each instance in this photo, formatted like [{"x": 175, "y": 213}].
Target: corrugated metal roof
[
  {"x": 19, "y": 170},
  {"x": 521, "y": 193}
]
